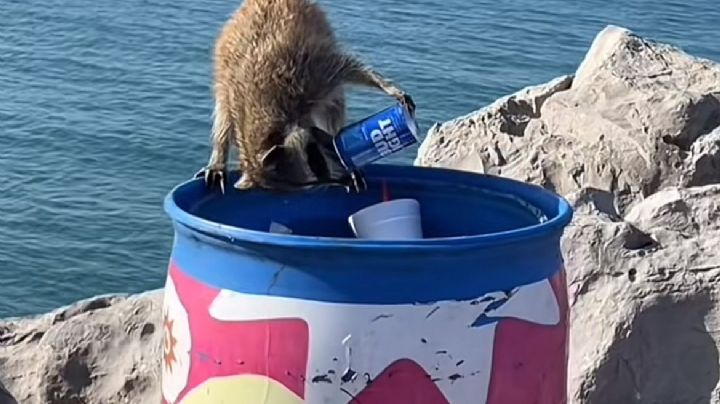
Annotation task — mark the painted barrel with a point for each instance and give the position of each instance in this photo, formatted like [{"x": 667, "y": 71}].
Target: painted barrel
[{"x": 475, "y": 313}]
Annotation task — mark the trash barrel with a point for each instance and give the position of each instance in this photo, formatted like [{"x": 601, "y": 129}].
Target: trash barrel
[{"x": 475, "y": 312}]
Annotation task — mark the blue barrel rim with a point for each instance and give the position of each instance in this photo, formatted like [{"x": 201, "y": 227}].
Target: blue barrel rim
[{"x": 507, "y": 186}]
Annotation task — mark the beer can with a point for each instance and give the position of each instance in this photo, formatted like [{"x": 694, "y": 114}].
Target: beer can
[{"x": 375, "y": 137}]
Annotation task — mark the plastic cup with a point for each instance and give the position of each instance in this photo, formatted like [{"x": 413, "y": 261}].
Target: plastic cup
[
  {"x": 398, "y": 219},
  {"x": 276, "y": 227}
]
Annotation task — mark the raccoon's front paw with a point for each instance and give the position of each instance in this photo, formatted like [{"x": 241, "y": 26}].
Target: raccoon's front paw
[
  {"x": 214, "y": 176},
  {"x": 405, "y": 99},
  {"x": 356, "y": 182}
]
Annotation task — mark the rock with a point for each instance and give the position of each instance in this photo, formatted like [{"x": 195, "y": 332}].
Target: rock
[
  {"x": 703, "y": 163},
  {"x": 103, "y": 350},
  {"x": 490, "y": 137},
  {"x": 632, "y": 140},
  {"x": 634, "y": 119},
  {"x": 644, "y": 299}
]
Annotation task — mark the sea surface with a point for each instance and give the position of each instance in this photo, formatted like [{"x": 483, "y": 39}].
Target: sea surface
[{"x": 105, "y": 105}]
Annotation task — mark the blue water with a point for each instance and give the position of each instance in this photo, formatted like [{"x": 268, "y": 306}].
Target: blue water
[{"x": 106, "y": 105}]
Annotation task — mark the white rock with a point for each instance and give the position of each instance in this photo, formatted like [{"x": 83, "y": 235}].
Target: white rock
[
  {"x": 475, "y": 141},
  {"x": 628, "y": 123},
  {"x": 644, "y": 300},
  {"x": 103, "y": 350}
]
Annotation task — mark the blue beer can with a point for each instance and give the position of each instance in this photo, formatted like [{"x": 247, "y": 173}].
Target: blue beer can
[{"x": 387, "y": 132}]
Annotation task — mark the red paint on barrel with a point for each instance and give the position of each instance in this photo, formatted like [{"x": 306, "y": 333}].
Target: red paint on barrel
[
  {"x": 532, "y": 356},
  {"x": 277, "y": 349},
  {"x": 404, "y": 381}
]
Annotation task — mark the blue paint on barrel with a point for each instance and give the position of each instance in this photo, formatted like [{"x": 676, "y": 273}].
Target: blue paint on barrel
[{"x": 492, "y": 246}]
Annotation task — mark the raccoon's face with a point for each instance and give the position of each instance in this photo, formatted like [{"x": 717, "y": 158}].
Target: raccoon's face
[{"x": 307, "y": 159}]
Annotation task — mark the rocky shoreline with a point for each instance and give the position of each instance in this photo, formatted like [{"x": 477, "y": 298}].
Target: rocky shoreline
[{"x": 632, "y": 139}]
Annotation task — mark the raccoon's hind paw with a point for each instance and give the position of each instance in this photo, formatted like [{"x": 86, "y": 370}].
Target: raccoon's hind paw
[
  {"x": 243, "y": 183},
  {"x": 214, "y": 176}
]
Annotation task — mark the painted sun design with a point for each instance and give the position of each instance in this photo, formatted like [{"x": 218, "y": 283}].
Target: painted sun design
[{"x": 169, "y": 343}]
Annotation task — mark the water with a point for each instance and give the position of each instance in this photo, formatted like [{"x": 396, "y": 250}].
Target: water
[{"x": 106, "y": 105}]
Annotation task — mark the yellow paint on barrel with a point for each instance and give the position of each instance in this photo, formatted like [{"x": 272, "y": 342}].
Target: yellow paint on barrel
[{"x": 242, "y": 389}]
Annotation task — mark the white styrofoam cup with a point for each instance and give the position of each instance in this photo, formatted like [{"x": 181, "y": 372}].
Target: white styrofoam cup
[{"x": 398, "y": 219}]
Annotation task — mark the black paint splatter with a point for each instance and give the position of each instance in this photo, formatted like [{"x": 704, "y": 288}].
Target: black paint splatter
[
  {"x": 380, "y": 317},
  {"x": 321, "y": 379},
  {"x": 348, "y": 376},
  {"x": 432, "y": 311},
  {"x": 495, "y": 305},
  {"x": 368, "y": 379},
  {"x": 454, "y": 377}
]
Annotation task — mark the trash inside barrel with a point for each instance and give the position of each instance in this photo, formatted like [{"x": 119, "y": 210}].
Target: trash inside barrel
[{"x": 473, "y": 311}]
